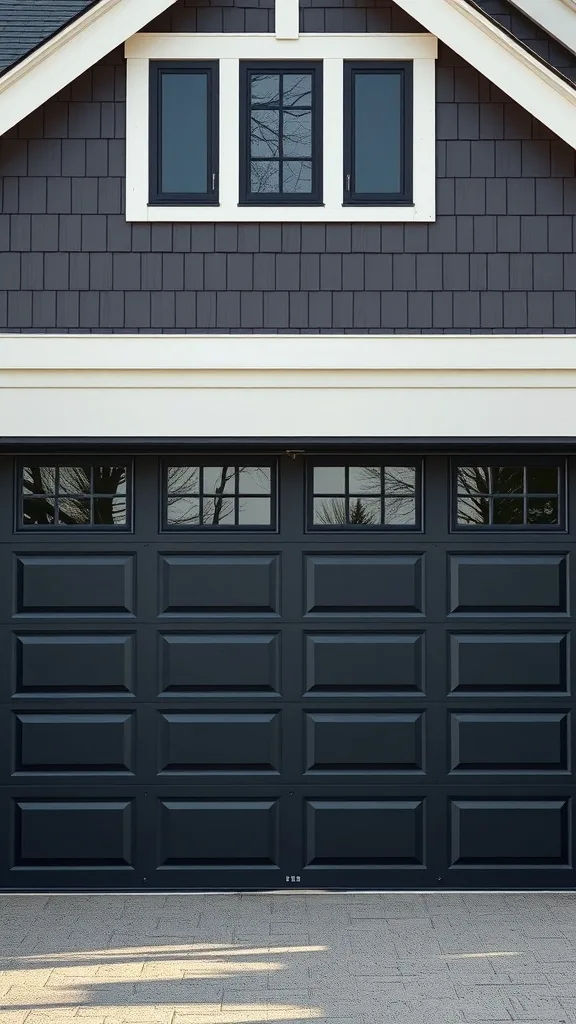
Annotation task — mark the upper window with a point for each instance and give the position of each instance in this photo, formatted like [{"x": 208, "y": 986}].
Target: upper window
[
  {"x": 219, "y": 496},
  {"x": 85, "y": 495},
  {"x": 508, "y": 496},
  {"x": 281, "y": 133},
  {"x": 364, "y": 495},
  {"x": 377, "y": 133},
  {"x": 183, "y": 132}
]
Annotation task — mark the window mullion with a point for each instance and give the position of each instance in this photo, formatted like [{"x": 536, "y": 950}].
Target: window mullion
[
  {"x": 333, "y": 131},
  {"x": 229, "y": 128}
]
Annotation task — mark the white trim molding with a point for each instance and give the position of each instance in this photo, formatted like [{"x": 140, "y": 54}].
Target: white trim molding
[
  {"x": 65, "y": 56},
  {"x": 332, "y": 49},
  {"x": 256, "y": 386},
  {"x": 557, "y": 17},
  {"x": 503, "y": 61}
]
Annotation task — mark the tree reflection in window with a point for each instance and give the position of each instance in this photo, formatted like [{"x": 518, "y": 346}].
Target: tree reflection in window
[
  {"x": 89, "y": 495},
  {"x": 504, "y": 496},
  {"x": 355, "y": 495},
  {"x": 224, "y": 495},
  {"x": 281, "y": 133}
]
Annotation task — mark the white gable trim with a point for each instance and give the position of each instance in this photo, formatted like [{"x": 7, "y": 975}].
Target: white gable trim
[
  {"x": 76, "y": 48},
  {"x": 557, "y": 17},
  {"x": 503, "y": 61}
]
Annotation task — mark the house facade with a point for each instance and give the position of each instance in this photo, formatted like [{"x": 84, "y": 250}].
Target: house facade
[{"x": 287, "y": 427}]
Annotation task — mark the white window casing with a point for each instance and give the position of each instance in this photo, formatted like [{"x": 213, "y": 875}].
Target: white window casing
[{"x": 332, "y": 50}]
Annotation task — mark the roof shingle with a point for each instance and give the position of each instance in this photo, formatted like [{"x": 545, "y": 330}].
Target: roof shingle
[{"x": 26, "y": 24}]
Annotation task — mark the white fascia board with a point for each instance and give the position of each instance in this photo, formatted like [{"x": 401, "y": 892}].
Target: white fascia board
[
  {"x": 501, "y": 60},
  {"x": 72, "y": 51},
  {"x": 348, "y": 353},
  {"x": 557, "y": 17},
  {"x": 264, "y": 46}
]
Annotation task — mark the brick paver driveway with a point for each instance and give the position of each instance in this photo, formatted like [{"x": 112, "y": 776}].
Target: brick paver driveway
[{"x": 246, "y": 959}]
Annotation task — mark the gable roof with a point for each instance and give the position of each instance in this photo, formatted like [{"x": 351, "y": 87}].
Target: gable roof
[
  {"x": 26, "y": 24},
  {"x": 100, "y": 25}
]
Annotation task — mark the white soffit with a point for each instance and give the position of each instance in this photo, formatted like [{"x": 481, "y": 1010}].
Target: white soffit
[
  {"x": 557, "y": 17},
  {"x": 72, "y": 51},
  {"x": 500, "y": 59}
]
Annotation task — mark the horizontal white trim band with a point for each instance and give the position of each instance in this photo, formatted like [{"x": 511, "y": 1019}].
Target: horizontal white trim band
[
  {"x": 240, "y": 352},
  {"x": 258, "y": 46}
]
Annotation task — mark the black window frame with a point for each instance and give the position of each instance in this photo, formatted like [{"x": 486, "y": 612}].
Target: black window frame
[
  {"x": 217, "y": 459},
  {"x": 384, "y": 462},
  {"x": 522, "y": 461},
  {"x": 82, "y": 462},
  {"x": 313, "y": 198},
  {"x": 405, "y": 196},
  {"x": 156, "y": 196}
]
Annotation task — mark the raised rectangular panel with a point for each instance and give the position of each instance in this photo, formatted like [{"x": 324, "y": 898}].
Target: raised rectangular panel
[
  {"x": 364, "y": 584},
  {"x": 510, "y": 833},
  {"x": 218, "y": 833},
  {"x": 237, "y": 743},
  {"x": 531, "y": 741},
  {"x": 208, "y": 585},
  {"x": 371, "y": 743},
  {"x": 220, "y": 663},
  {"x": 69, "y": 743},
  {"x": 363, "y": 833},
  {"x": 55, "y": 585},
  {"x": 364, "y": 664},
  {"x": 73, "y": 834},
  {"x": 70, "y": 664},
  {"x": 509, "y": 663},
  {"x": 508, "y": 584}
]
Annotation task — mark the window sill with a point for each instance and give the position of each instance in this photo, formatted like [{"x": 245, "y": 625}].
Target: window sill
[{"x": 295, "y": 214}]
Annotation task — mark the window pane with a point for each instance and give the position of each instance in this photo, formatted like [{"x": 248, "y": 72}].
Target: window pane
[
  {"x": 183, "y": 511},
  {"x": 254, "y": 512},
  {"x": 508, "y": 511},
  {"x": 183, "y": 480},
  {"x": 38, "y": 511},
  {"x": 184, "y": 132},
  {"x": 219, "y": 479},
  {"x": 542, "y": 480},
  {"x": 110, "y": 511},
  {"x": 218, "y": 511},
  {"x": 364, "y": 480},
  {"x": 543, "y": 511},
  {"x": 377, "y": 132},
  {"x": 400, "y": 480},
  {"x": 329, "y": 480},
  {"x": 254, "y": 480},
  {"x": 74, "y": 512},
  {"x": 297, "y": 133},
  {"x": 473, "y": 480},
  {"x": 400, "y": 512},
  {"x": 364, "y": 511},
  {"x": 264, "y": 176},
  {"x": 264, "y": 133},
  {"x": 264, "y": 89},
  {"x": 297, "y": 90},
  {"x": 297, "y": 176},
  {"x": 110, "y": 480},
  {"x": 39, "y": 479},
  {"x": 507, "y": 480},
  {"x": 74, "y": 480},
  {"x": 473, "y": 511},
  {"x": 330, "y": 511}
]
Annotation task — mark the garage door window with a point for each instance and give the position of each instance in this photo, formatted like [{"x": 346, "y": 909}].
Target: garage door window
[
  {"x": 364, "y": 495},
  {"x": 68, "y": 496},
  {"x": 220, "y": 495},
  {"x": 508, "y": 496}
]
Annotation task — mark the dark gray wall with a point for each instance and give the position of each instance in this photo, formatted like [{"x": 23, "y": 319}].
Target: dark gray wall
[{"x": 499, "y": 258}]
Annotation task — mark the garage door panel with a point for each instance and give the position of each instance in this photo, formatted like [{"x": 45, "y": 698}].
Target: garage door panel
[
  {"x": 75, "y": 585},
  {"x": 352, "y": 584},
  {"x": 368, "y": 743},
  {"x": 219, "y": 584},
  {"x": 217, "y": 833},
  {"x": 521, "y": 584},
  {"x": 366, "y": 663},
  {"x": 364, "y": 832},
  {"x": 514, "y": 832},
  {"x": 504, "y": 742},
  {"x": 75, "y": 834},
  {"x": 68, "y": 664},
  {"x": 516, "y": 663},
  {"x": 219, "y": 664},
  {"x": 231, "y": 743},
  {"x": 73, "y": 743}
]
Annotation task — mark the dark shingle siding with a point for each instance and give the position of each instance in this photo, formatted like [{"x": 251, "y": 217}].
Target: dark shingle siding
[
  {"x": 500, "y": 258},
  {"x": 25, "y": 24},
  {"x": 216, "y": 16},
  {"x": 528, "y": 32}
]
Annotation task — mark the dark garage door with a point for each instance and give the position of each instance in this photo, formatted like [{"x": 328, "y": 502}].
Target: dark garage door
[{"x": 226, "y": 671}]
